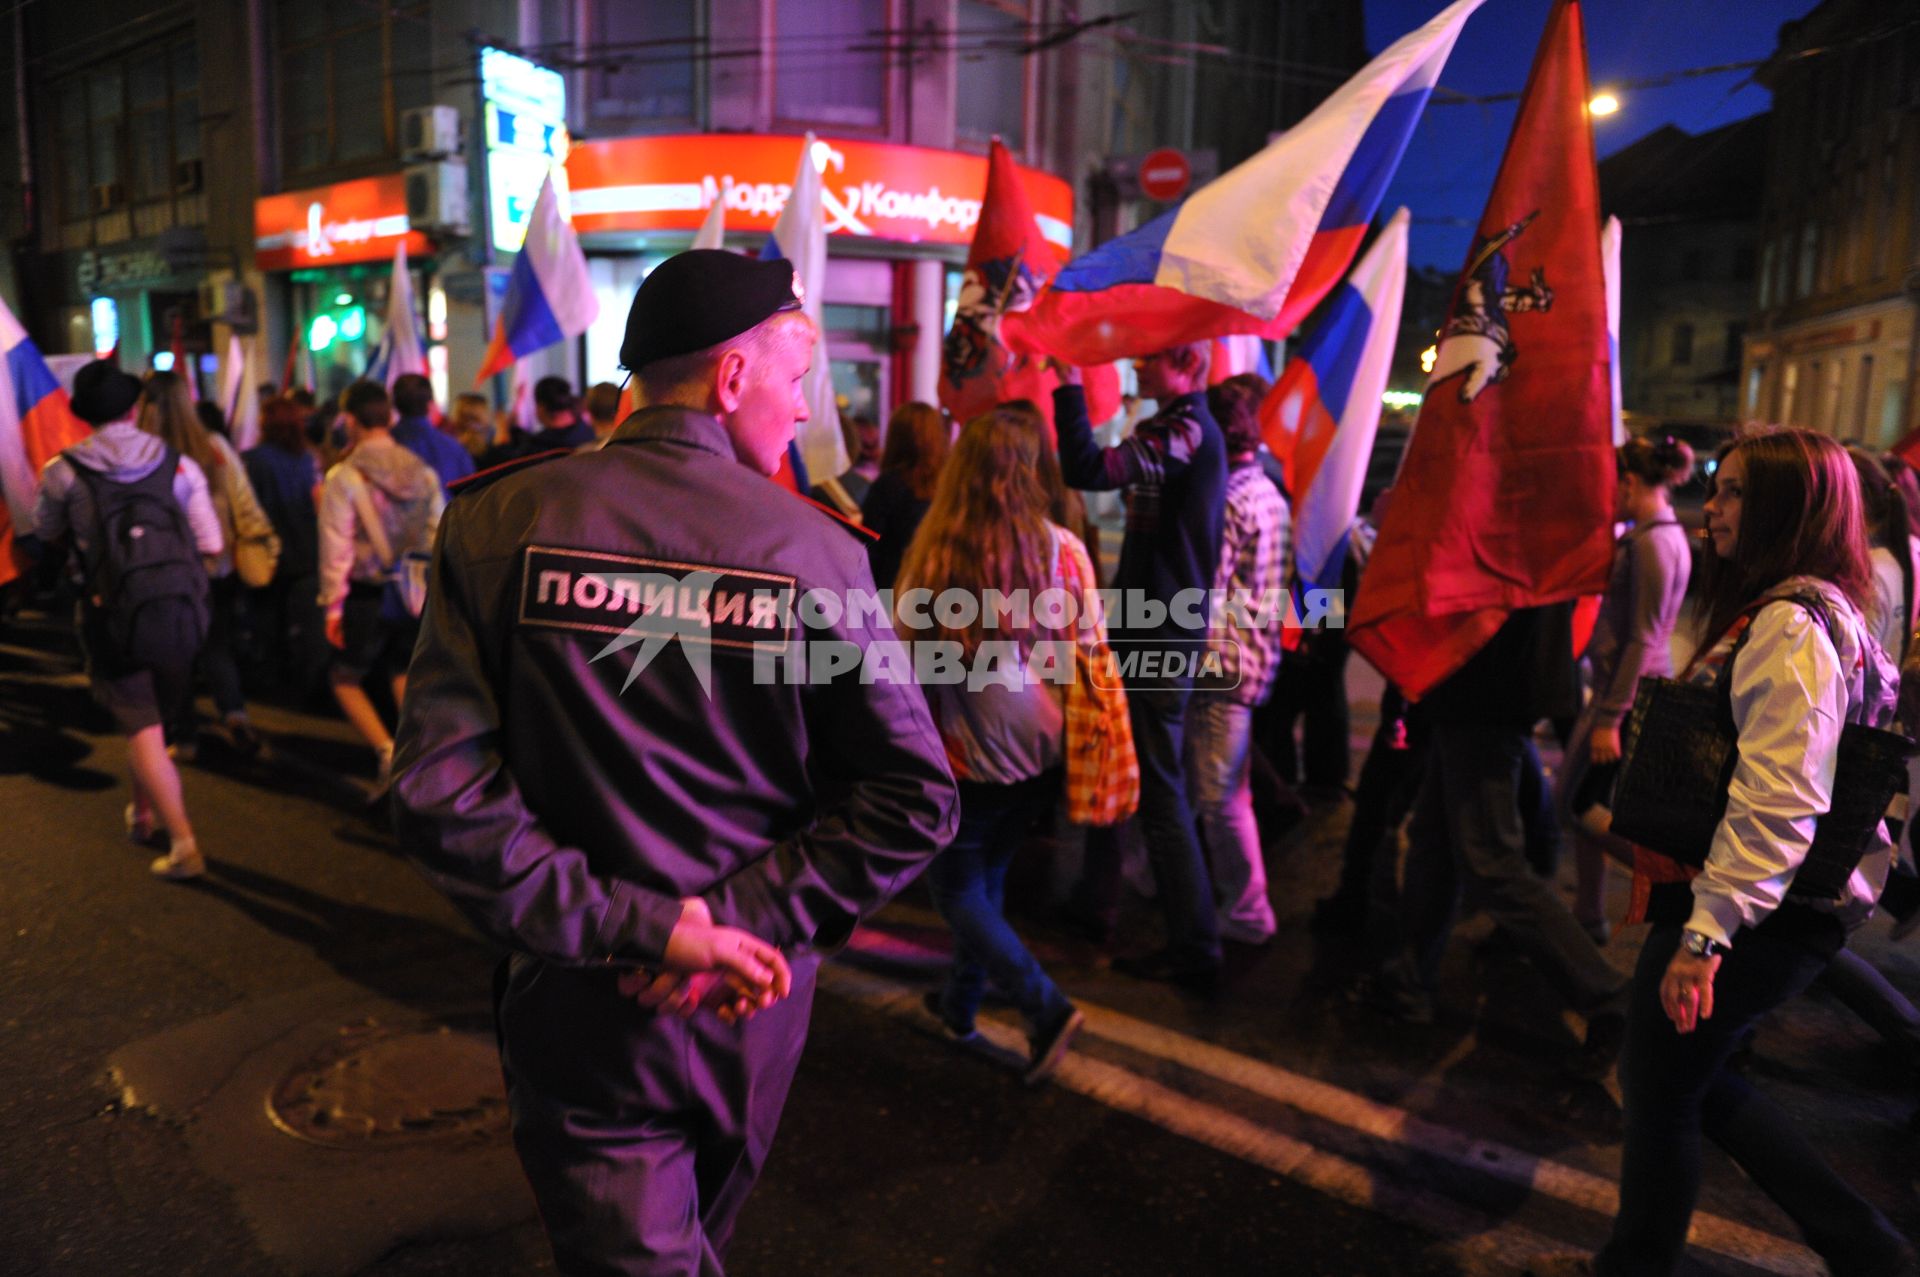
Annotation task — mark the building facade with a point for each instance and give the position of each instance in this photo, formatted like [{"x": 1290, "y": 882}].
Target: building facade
[
  {"x": 1832, "y": 342},
  {"x": 1689, "y": 213}
]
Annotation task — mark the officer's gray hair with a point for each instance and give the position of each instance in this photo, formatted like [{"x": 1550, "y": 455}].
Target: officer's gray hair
[{"x": 686, "y": 379}]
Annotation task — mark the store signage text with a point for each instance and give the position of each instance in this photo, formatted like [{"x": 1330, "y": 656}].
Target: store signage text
[
  {"x": 868, "y": 189},
  {"x": 359, "y": 221}
]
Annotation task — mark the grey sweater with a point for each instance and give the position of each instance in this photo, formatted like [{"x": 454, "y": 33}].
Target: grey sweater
[{"x": 1651, "y": 564}]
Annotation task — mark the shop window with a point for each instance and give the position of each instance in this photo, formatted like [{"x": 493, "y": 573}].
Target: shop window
[
  {"x": 644, "y": 60},
  {"x": 1682, "y": 352},
  {"x": 128, "y": 131},
  {"x": 830, "y": 62},
  {"x": 992, "y": 71},
  {"x": 1736, "y": 342},
  {"x": 346, "y": 75}
]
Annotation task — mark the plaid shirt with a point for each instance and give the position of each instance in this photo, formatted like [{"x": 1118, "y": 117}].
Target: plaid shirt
[{"x": 1254, "y": 553}]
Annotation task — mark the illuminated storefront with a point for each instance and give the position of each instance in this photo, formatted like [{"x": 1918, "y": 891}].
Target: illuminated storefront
[
  {"x": 898, "y": 218},
  {"x": 333, "y": 247}
]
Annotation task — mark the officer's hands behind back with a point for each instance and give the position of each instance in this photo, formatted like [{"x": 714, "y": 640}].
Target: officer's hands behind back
[{"x": 725, "y": 969}]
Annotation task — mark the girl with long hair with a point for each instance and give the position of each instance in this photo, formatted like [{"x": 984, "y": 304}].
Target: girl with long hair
[
  {"x": 1784, "y": 595},
  {"x": 1651, "y": 564},
  {"x": 167, "y": 410},
  {"x": 918, "y": 439},
  {"x": 987, "y": 530}
]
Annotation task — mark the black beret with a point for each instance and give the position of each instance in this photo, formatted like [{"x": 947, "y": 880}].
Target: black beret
[
  {"x": 102, "y": 392},
  {"x": 700, "y": 298}
]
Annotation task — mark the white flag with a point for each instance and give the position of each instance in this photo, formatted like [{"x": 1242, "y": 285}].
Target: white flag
[
  {"x": 1610, "y": 270},
  {"x": 242, "y": 408},
  {"x": 713, "y": 231},
  {"x": 800, "y": 236},
  {"x": 400, "y": 350}
]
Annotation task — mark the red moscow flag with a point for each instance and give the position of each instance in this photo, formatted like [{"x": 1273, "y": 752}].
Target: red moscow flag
[
  {"x": 1506, "y": 496},
  {"x": 1008, "y": 263}
]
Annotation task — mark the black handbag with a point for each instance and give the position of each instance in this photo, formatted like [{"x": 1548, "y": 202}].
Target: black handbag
[{"x": 1677, "y": 759}]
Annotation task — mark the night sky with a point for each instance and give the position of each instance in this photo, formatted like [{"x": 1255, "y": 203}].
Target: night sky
[{"x": 1450, "y": 165}]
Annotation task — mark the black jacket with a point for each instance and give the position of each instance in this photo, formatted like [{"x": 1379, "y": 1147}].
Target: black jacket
[
  {"x": 1524, "y": 673},
  {"x": 567, "y": 801}
]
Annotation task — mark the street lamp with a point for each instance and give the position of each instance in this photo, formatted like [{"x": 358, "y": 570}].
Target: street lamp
[
  {"x": 1428, "y": 358},
  {"x": 1603, "y": 104}
]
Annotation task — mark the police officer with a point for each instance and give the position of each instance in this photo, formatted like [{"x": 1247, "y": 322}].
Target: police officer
[{"x": 595, "y": 766}]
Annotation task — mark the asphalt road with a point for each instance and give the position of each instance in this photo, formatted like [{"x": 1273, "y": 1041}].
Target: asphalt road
[{"x": 1280, "y": 1131}]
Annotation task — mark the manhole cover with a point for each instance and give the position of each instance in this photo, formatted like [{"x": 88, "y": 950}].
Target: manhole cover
[{"x": 380, "y": 1085}]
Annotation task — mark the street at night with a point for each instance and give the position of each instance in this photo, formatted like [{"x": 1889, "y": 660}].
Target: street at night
[{"x": 1282, "y": 1130}]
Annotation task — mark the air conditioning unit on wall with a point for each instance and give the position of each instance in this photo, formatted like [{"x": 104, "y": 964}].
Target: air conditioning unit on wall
[
  {"x": 437, "y": 197},
  {"x": 431, "y": 133}
]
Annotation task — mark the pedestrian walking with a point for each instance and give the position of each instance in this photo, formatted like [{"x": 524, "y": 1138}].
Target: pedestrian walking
[
  {"x": 415, "y": 431},
  {"x": 379, "y": 508},
  {"x": 918, "y": 439},
  {"x": 286, "y": 477},
  {"x": 167, "y": 411},
  {"x": 1174, "y": 468},
  {"x": 1784, "y": 596},
  {"x": 135, "y": 517},
  {"x": 660, "y": 831},
  {"x": 988, "y": 529}
]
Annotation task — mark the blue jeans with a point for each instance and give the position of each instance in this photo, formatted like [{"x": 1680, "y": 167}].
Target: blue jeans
[
  {"x": 1159, "y": 720},
  {"x": 1219, "y": 754},
  {"x": 1676, "y": 1086},
  {"x": 968, "y": 881}
]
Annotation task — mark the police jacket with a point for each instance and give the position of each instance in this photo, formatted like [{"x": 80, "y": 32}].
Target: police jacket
[{"x": 566, "y": 783}]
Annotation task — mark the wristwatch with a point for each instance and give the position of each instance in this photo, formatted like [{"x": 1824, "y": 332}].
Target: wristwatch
[{"x": 1699, "y": 945}]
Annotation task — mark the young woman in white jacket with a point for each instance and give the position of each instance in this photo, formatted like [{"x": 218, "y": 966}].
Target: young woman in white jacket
[{"x": 1732, "y": 942}]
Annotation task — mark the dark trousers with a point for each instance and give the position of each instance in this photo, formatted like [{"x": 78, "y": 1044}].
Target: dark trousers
[
  {"x": 217, "y": 664},
  {"x": 1389, "y": 781},
  {"x": 968, "y": 882},
  {"x": 1466, "y": 836},
  {"x": 1676, "y": 1086},
  {"x": 641, "y": 1135},
  {"x": 1159, "y": 719},
  {"x": 1311, "y": 685}
]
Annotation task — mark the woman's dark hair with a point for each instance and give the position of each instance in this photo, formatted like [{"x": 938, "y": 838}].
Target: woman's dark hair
[
  {"x": 1906, "y": 481},
  {"x": 1800, "y": 515},
  {"x": 918, "y": 440},
  {"x": 1889, "y": 525},
  {"x": 1235, "y": 404},
  {"x": 1659, "y": 462},
  {"x": 283, "y": 423},
  {"x": 212, "y": 418}
]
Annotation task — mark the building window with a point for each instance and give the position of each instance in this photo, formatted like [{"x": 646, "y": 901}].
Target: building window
[
  {"x": 1861, "y": 399},
  {"x": 1789, "y": 385},
  {"x": 830, "y": 64},
  {"x": 644, "y": 58},
  {"x": 346, "y": 74},
  {"x": 1736, "y": 340},
  {"x": 1809, "y": 259},
  {"x": 128, "y": 131},
  {"x": 1682, "y": 352},
  {"x": 991, "y": 71},
  {"x": 1756, "y": 376}
]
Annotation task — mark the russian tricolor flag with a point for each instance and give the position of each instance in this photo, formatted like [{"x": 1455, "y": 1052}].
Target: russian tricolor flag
[
  {"x": 1255, "y": 250},
  {"x": 1320, "y": 418},
  {"x": 549, "y": 295},
  {"x": 35, "y": 424}
]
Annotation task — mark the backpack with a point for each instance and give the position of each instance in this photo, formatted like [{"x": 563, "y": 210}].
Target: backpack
[{"x": 144, "y": 578}]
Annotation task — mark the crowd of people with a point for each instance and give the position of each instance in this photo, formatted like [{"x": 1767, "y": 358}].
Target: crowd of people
[{"x": 310, "y": 558}]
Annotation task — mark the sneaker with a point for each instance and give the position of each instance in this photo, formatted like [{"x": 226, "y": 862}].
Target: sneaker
[
  {"x": 1049, "y": 1046},
  {"x": 1393, "y": 995},
  {"x": 1159, "y": 966},
  {"x": 955, "y": 1033},
  {"x": 180, "y": 864},
  {"x": 142, "y": 831},
  {"x": 383, "y": 778},
  {"x": 241, "y": 735},
  {"x": 1606, "y": 1033}
]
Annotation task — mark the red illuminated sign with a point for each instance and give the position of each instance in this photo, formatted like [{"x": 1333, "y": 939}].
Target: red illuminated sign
[
  {"x": 869, "y": 190},
  {"x": 359, "y": 221}
]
